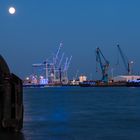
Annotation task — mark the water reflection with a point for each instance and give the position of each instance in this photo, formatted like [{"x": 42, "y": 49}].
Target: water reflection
[{"x": 11, "y": 136}]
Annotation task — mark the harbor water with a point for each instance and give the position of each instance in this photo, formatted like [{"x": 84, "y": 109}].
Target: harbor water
[{"x": 76, "y": 113}]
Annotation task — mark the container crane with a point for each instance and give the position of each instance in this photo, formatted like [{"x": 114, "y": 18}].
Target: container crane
[
  {"x": 104, "y": 64},
  {"x": 127, "y": 63}
]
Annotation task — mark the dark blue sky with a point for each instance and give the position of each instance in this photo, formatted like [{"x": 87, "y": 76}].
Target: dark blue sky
[{"x": 37, "y": 28}]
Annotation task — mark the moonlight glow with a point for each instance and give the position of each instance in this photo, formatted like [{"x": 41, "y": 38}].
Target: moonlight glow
[{"x": 12, "y": 10}]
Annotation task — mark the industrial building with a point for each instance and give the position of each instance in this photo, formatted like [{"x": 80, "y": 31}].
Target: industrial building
[{"x": 125, "y": 78}]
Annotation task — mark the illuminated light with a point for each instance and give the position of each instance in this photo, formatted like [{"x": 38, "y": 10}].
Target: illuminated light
[
  {"x": 27, "y": 78},
  {"x": 12, "y": 10},
  {"x": 134, "y": 81},
  {"x": 41, "y": 77},
  {"x": 43, "y": 81}
]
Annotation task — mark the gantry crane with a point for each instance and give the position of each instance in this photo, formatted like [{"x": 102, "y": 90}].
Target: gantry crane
[{"x": 104, "y": 64}]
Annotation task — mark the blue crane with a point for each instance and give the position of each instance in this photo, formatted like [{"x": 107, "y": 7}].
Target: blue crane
[
  {"x": 127, "y": 63},
  {"x": 104, "y": 64}
]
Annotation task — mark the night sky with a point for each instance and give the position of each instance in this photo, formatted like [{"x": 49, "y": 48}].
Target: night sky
[{"x": 35, "y": 31}]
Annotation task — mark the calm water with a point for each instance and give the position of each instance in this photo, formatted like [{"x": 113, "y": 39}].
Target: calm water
[{"x": 74, "y": 113}]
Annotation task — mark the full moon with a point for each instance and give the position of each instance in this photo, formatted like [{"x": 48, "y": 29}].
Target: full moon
[{"x": 12, "y": 10}]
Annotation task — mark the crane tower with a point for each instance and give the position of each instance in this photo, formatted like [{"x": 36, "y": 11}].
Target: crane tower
[{"x": 104, "y": 64}]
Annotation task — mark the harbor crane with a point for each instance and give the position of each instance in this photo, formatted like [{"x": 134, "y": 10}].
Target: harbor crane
[
  {"x": 127, "y": 63},
  {"x": 55, "y": 69},
  {"x": 57, "y": 53},
  {"x": 104, "y": 64}
]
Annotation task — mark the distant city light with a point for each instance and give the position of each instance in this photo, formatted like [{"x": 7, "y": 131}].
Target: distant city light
[{"x": 12, "y": 10}]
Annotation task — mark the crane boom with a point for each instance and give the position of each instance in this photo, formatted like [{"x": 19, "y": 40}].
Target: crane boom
[
  {"x": 104, "y": 65},
  {"x": 61, "y": 60},
  {"x": 125, "y": 60},
  {"x": 68, "y": 64},
  {"x": 56, "y": 56}
]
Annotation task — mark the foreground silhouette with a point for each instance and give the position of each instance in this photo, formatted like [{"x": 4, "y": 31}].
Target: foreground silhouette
[{"x": 11, "y": 99}]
